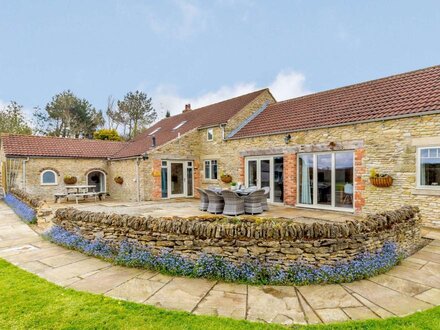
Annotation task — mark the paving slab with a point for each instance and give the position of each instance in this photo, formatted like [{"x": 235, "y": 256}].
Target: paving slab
[
  {"x": 431, "y": 296},
  {"x": 409, "y": 288},
  {"x": 328, "y": 296},
  {"x": 278, "y": 304},
  {"x": 63, "y": 259},
  {"x": 136, "y": 289},
  {"x": 390, "y": 300},
  {"x": 309, "y": 314},
  {"x": 230, "y": 287},
  {"x": 382, "y": 313},
  {"x": 331, "y": 315},
  {"x": 360, "y": 313},
  {"x": 106, "y": 279},
  {"x": 421, "y": 276},
  {"x": 222, "y": 303},
  {"x": 428, "y": 256},
  {"x": 181, "y": 293}
]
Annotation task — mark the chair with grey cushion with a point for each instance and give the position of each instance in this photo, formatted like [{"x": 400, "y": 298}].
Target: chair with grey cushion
[
  {"x": 216, "y": 202},
  {"x": 234, "y": 204},
  {"x": 252, "y": 202},
  {"x": 264, "y": 199},
  {"x": 204, "y": 201}
]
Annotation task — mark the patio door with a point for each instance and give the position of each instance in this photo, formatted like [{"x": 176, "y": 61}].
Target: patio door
[
  {"x": 177, "y": 179},
  {"x": 325, "y": 180},
  {"x": 266, "y": 172}
]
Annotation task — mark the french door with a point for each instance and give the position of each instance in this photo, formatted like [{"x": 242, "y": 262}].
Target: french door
[
  {"x": 325, "y": 180},
  {"x": 266, "y": 172},
  {"x": 177, "y": 179}
]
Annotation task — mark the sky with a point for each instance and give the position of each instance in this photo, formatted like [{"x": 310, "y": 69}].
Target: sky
[{"x": 201, "y": 52}]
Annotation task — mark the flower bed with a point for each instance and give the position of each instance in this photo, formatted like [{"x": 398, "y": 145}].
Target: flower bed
[
  {"x": 216, "y": 267},
  {"x": 23, "y": 210}
]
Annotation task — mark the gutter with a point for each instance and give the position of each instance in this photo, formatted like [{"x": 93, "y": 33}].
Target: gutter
[
  {"x": 427, "y": 113},
  {"x": 23, "y": 180}
]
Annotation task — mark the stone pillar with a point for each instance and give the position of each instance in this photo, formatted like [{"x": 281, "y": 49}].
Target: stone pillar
[
  {"x": 289, "y": 176},
  {"x": 157, "y": 180},
  {"x": 359, "y": 183}
]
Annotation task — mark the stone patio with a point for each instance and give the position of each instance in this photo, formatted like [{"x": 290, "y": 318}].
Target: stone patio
[
  {"x": 412, "y": 286},
  {"x": 186, "y": 207}
]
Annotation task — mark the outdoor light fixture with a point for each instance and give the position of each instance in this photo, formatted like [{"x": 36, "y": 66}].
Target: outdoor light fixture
[
  {"x": 287, "y": 138},
  {"x": 144, "y": 156}
]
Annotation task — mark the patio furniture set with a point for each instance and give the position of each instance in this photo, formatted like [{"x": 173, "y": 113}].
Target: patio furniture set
[
  {"x": 77, "y": 192},
  {"x": 249, "y": 200}
]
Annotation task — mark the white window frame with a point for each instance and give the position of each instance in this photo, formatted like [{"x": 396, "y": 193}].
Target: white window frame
[
  {"x": 209, "y": 161},
  {"x": 418, "y": 169},
  {"x": 210, "y": 131},
  {"x": 50, "y": 183},
  {"x": 315, "y": 205}
]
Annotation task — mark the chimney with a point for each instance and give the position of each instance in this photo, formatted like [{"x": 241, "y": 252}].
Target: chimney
[{"x": 187, "y": 108}]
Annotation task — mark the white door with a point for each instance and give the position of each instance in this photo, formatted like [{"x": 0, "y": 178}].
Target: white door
[
  {"x": 266, "y": 172},
  {"x": 180, "y": 179}
]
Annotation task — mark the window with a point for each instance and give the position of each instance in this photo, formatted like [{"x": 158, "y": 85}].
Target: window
[
  {"x": 210, "y": 134},
  {"x": 48, "y": 178},
  {"x": 429, "y": 167},
  {"x": 211, "y": 169},
  {"x": 180, "y": 125}
]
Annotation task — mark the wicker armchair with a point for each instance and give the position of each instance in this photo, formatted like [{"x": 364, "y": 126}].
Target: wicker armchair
[
  {"x": 204, "y": 201},
  {"x": 264, "y": 199},
  {"x": 216, "y": 202},
  {"x": 252, "y": 202},
  {"x": 234, "y": 204}
]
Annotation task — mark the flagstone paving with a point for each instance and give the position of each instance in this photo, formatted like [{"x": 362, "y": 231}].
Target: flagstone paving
[{"x": 412, "y": 286}]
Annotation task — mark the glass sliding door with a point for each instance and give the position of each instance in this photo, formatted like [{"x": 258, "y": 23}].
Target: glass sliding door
[
  {"x": 305, "y": 179},
  {"x": 344, "y": 179},
  {"x": 278, "y": 180},
  {"x": 252, "y": 173},
  {"x": 266, "y": 172},
  {"x": 324, "y": 177},
  {"x": 326, "y": 180},
  {"x": 189, "y": 179}
]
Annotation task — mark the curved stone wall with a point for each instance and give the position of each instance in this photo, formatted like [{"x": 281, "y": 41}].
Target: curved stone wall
[{"x": 265, "y": 239}]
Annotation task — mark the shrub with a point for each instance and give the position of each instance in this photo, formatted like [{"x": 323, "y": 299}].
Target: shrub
[
  {"x": 215, "y": 267},
  {"x": 24, "y": 211}
]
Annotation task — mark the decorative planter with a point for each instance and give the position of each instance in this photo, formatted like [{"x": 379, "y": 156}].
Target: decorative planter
[
  {"x": 382, "y": 182},
  {"x": 119, "y": 180},
  {"x": 226, "y": 178},
  {"x": 70, "y": 179}
]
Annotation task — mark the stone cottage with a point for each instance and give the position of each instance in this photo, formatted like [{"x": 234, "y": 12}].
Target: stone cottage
[{"x": 316, "y": 151}]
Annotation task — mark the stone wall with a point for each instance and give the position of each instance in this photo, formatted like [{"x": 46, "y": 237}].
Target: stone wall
[
  {"x": 263, "y": 239},
  {"x": 128, "y": 169},
  {"x": 43, "y": 212}
]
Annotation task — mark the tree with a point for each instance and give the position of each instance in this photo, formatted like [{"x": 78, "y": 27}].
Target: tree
[
  {"x": 107, "y": 134},
  {"x": 168, "y": 114},
  {"x": 115, "y": 117},
  {"x": 12, "y": 119},
  {"x": 138, "y": 111},
  {"x": 68, "y": 116}
]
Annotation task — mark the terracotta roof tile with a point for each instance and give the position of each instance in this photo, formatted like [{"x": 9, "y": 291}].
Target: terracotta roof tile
[
  {"x": 415, "y": 92},
  {"x": 44, "y": 146}
]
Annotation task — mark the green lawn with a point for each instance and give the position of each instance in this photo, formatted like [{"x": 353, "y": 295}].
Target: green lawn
[{"x": 28, "y": 302}]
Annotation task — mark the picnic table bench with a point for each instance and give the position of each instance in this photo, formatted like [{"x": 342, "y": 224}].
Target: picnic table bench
[{"x": 77, "y": 192}]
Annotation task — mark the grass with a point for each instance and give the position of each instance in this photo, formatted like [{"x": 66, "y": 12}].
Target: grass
[{"x": 29, "y": 302}]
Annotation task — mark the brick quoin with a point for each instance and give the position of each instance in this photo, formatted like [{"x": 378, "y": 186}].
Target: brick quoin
[
  {"x": 241, "y": 170},
  {"x": 197, "y": 182},
  {"x": 360, "y": 169},
  {"x": 289, "y": 175},
  {"x": 157, "y": 182}
]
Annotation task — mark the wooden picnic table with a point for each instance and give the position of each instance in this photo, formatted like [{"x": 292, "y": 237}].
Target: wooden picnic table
[{"x": 79, "y": 191}]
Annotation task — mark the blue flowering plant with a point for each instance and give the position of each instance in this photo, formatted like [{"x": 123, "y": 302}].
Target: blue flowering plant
[
  {"x": 23, "y": 210},
  {"x": 133, "y": 254}
]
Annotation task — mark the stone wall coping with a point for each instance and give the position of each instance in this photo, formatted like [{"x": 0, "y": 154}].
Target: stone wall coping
[{"x": 222, "y": 227}]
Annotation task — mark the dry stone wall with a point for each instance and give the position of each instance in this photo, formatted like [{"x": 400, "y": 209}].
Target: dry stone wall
[{"x": 263, "y": 239}]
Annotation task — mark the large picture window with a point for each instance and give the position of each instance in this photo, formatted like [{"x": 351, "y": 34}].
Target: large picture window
[
  {"x": 211, "y": 169},
  {"x": 429, "y": 167},
  {"x": 326, "y": 179}
]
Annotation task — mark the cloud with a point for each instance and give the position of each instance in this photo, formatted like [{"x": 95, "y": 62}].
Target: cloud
[
  {"x": 287, "y": 84},
  {"x": 185, "y": 20}
]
